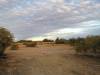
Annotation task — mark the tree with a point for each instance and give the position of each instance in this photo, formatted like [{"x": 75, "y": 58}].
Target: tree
[
  {"x": 47, "y": 40},
  {"x": 60, "y": 41},
  {"x": 6, "y": 40}
]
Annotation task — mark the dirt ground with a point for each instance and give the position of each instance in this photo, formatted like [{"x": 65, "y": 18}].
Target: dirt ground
[{"x": 48, "y": 60}]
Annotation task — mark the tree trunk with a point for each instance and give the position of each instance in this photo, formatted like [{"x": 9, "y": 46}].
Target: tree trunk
[{"x": 2, "y": 49}]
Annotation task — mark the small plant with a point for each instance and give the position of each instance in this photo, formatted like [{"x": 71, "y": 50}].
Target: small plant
[
  {"x": 30, "y": 44},
  {"x": 14, "y": 47}
]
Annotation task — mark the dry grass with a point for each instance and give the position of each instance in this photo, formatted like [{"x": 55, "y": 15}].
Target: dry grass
[{"x": 48, "y": 60}]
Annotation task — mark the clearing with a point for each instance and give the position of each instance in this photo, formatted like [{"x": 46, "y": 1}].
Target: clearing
[{"x": 48, "y": 60}]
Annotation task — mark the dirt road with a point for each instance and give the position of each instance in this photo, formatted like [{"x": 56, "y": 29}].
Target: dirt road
[{"x": 48, "y": 60}]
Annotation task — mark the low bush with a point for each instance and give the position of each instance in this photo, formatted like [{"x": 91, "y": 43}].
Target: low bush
[
  {"x": 88, "y": 45},
  {"x": 14, "y": 47},
  {"x": 30, "y": 44}
]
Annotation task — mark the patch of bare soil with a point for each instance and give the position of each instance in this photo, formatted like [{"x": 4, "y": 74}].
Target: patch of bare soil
[{"x": 48, "y": 60}]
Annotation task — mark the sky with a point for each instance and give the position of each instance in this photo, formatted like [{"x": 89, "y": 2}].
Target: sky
[{"x": 39, "y": 19}]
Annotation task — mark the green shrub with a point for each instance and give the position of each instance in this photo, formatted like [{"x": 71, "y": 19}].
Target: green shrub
[
  {"x": 6, "y": 40},
  {"x": 47, "y": 40},
  {"x": 88, "y": 45},
  {"x": 60, "y": 41}
]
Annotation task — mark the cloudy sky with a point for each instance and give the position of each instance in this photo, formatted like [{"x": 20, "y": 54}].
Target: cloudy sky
[{"x": 38, "y": 19}]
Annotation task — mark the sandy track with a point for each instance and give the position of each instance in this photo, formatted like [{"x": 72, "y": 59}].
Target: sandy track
[{"x": 48, "y": 60}]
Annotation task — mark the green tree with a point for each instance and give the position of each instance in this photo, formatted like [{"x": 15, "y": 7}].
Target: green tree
[
  {"x": 47, "y": 40},
  {"x": 6, "y": 40},
  {"x": 61, "y": 41}
]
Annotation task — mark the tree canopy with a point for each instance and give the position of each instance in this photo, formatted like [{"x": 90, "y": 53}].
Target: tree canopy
[{"x": 6, "y": 39}]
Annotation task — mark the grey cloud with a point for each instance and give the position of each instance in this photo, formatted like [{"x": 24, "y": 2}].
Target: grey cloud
[{"x": 27, "y": 18}]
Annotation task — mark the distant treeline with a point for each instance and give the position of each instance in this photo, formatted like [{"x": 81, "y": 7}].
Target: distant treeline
[
  {"x": 57, "y": 41},
  {"x": 48, "y": 40},
  {"x": 89, "y": 45}
]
